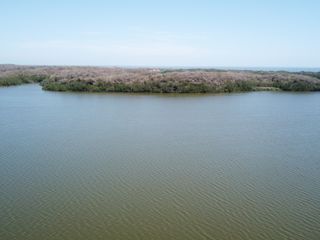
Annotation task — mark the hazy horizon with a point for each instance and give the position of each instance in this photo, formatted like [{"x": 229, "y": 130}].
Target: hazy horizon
[
  {"x": 205, "y": 34},
  {"x": 245, "y": 68}
]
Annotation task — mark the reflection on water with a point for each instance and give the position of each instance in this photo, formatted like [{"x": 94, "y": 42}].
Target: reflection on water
[{"x": 116, "y": 166}]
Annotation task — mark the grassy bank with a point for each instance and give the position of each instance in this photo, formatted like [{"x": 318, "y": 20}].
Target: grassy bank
[{"x": 19, "y": 79}]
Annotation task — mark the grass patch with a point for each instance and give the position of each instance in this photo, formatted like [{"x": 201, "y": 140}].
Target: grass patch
[{"x": 20, "y": 79}]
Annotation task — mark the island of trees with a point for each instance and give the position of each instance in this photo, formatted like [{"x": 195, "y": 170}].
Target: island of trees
[{"x": 156, "y": 80}]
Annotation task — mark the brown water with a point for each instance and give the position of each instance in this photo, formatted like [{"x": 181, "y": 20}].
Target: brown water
[{"x": 116, "y": 166}]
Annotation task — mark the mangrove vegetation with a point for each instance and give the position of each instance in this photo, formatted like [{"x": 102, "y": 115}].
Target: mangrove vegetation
[{"x": 147, "y": 80}]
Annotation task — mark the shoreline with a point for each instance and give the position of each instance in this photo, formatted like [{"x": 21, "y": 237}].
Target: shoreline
[{"x": 147, "y": 80}]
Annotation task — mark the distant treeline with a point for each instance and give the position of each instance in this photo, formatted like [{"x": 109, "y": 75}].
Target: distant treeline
[
  {"x": 95, "y": 79},
  {"x": 312, "y": 74},
  {"x": 146, "y": 87},
  {"x": 178, "y": 87}
]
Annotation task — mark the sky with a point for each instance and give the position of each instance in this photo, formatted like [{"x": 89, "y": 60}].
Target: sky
[{"x": 225, "y": 33}]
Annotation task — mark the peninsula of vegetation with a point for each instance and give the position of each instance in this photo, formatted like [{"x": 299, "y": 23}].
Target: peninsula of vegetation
[{"x": 156, "y": 80}]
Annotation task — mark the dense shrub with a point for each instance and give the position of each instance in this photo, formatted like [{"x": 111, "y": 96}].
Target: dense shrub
[
  {"x": 20, "y": 79},
  {"x": 297, "y": 86},
  {"x": 99, "y": 79}
]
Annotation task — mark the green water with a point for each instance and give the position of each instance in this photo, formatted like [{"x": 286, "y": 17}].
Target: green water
[{"x": 117, "y": 166}]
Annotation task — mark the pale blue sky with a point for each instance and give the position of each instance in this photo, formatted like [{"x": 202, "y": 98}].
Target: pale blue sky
[{"x": 163, "y": 33}]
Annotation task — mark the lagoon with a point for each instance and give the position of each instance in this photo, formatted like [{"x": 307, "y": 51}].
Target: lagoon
[{"x": 132, "y": 166}]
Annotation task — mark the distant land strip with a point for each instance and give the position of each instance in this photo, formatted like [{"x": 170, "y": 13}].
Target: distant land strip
[{"x": 156, "y": 80}]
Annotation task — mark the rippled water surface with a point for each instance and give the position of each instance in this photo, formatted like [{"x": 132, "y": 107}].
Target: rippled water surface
[{"x": 116, "y": 166}]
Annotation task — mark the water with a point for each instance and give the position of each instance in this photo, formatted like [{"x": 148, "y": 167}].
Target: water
[{"x": 117, "y": 166}]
